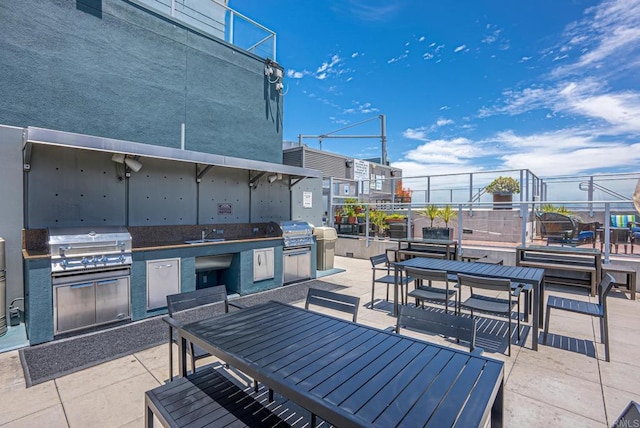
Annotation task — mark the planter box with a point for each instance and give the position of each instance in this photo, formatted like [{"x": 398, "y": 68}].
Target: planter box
[
  {"x": 445, "y": 233},
  {"x": 501, "y": 201}
]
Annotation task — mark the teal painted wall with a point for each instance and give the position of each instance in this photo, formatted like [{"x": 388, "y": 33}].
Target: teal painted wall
[
  {"x": 39, "y": 300},
  {"x": 132, "y": 75}
]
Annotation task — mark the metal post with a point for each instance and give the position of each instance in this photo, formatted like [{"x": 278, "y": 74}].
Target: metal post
[
  {"x": 428, "y": 198},
  {"x": 590, "y": 196},
  {"x": 459, "y": 255},
  {"x": 409, "y": 222},
  {"x": 607, "y": 231},
  {"x": 471, "y": 195},
  {"x": 366, "y": 231},
  {"x": 383, "y": 138},
  {"x": 331, "y": 208},
  {"x": 523, "y": 228}
]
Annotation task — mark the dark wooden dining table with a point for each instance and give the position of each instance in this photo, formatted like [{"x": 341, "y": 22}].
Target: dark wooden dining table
[
  {"x": 352, "y": 375},
  {"x": 525, "y": 275}
]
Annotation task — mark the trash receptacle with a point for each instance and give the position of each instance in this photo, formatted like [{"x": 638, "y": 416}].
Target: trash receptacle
[{"x": 326, "y": 238}]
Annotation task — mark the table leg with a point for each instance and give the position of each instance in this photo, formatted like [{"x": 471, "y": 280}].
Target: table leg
[
  {"x": 395, "y": 290},
  {"x": 182, "y": 354},
  {"x": 497, "y": 409},
  {"x": 538, "y": 313}
]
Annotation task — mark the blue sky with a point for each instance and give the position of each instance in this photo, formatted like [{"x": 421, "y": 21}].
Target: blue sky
[{"x": 548, "y": 85}]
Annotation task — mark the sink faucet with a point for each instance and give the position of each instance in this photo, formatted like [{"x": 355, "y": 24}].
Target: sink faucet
[{"x": 205, "y": 234}]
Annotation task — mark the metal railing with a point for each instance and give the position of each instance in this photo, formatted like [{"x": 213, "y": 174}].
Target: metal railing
[
  {"x": 503, "y": 224},
  {"x": 218, "y": 20}
]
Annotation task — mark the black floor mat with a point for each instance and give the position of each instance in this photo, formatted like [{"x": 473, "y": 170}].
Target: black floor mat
[{"x": 60, "y": 357}]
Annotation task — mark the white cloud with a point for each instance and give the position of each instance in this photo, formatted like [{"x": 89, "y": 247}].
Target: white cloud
[
  {"x": 355, "y": 55},
  {"x": 292, "y": 74},
  {"x": 443, "y": 122},
  {"x": 427, "y": 56},
  {"x": 328, "y": 65},
  {"x": 525, "y": 58},
  {"x": 460, "y": 48},
  {"x": 398, "y": 58},
  {"x": 421, "y": 39}
]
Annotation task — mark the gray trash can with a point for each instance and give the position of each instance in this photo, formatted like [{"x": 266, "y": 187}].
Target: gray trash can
[{"x": 326, "y": 238}]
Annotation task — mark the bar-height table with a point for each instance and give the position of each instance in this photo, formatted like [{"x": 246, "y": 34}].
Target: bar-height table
[
  {"x": 353, "y": 375},
  {"x": 525, "y": 275}
]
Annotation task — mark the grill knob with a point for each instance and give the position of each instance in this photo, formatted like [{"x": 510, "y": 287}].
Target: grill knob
[
  {"x": 121, "y": 258},
  {"x": 84, "y": 261},
  {"x": 104, "y": 259}
]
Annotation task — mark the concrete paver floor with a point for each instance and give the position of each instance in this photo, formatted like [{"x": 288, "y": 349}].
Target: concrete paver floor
[{"x": 553, "y": 386}]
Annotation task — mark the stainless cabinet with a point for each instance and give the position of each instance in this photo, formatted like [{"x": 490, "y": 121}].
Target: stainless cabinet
[
  {"x": 296, "y": 265},
  {"x": 263, "y": 264},
  {"x": 112, "y": 299},
  {"x": 75, "y": 306},
  {"x": 85, "y": 300},
  {"x": 163, "y": 279}
]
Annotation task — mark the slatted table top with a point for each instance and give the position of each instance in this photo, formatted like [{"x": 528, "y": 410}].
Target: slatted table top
[
  {"x": 526, "y": 275},
  {"x": 354, "y": 375}
]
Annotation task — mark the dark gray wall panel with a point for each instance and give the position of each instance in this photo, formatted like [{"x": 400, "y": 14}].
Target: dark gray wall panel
[
  {"x": 312, "y": 215},
  {"x": 135, "y": 76},
  {"x": 270, "y": 201},
  {"x": 68, "y": 187},
  {"x": 226, "y": 186},
  {"x": 162, "y": 193},
  {"x": 330, "y": 165}
]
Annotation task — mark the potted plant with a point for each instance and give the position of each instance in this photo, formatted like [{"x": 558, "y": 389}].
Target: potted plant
[
  {"x": 395, "y": 218},
  {"x": 431, "y": 232},
  {"x": 350, "y": 212},
  {"x": 353, "y": 202},
  {"x": 338, "y": 215},
  {"x": 447, "y": 214},
  {"x": 379, "y": 220},
  {"x": 503, "y": 189}
]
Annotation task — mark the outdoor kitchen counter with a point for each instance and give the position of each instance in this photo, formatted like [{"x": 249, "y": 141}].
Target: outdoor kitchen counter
[{"x": 182, "y": 244}]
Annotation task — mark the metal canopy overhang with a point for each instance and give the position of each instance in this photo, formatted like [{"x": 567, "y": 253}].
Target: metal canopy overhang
[{"x": 51, "y": 137}]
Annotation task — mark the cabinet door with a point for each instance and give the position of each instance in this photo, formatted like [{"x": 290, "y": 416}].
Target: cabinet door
[
  {"x": 112, "y": 300},
  {"x": 163, "y": 279},
  {"x": 262, "y": 264},
  {"x": 75, "y": 306}
]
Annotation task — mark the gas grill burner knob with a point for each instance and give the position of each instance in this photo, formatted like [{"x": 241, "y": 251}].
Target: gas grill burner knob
[
  {"x": 84, "y": 261},
  {"x": 104, "y": 259},
  {"x": 64, "y": 263},
  {"x": 121, "y": 258}
]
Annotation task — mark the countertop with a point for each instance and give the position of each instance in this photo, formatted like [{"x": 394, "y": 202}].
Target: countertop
[{"x": 148, "y": 238}]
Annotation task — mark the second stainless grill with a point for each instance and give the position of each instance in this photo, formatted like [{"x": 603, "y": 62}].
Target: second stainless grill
[{"x": 297, "y": 238}]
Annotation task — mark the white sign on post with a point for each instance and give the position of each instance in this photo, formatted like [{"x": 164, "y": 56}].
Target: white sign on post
[{"x": 360, "y": 170}]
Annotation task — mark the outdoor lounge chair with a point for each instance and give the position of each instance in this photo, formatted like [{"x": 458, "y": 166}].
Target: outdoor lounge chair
[
  {"x": 565, "y": 230},
  {"x": 580, "y": 307},
  {"x": 629, "y": 222}
]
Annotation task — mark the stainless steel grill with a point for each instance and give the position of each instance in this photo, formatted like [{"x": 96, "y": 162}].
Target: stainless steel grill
[
  {"x": 90, "y": 275},
  {"x": 297, "y": 239},
  {"x": 89, "y": 249},
  {"x": 296, "y": 233}
]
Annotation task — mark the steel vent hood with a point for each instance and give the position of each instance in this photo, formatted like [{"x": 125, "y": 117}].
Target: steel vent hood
[{"x": 34, "y": 135}]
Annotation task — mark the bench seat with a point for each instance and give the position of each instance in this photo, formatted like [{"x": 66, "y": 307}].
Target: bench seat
[{"x": 206, "y": 398}]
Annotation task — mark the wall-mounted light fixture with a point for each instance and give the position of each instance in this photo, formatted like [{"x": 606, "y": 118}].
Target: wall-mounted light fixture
[
  {"x": 275, "y": 75},
  {"x": 133, "y": 164},
  {"x": 118, "y": 157},
  {"x": 274, "y": 177},
  {"x": 349, "y": 163},
  {"x": 129, "y": 164}
]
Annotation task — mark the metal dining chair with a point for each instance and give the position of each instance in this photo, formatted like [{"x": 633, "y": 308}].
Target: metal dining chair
[
  {"x": 598, "y": 310},
  {"x": 489, "y": 304}
]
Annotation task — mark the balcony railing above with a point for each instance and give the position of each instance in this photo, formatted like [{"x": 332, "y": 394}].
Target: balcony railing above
[{"x": 215, "y": 19}]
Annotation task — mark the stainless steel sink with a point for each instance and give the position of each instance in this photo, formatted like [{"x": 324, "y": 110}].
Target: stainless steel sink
[{"x": 203, "y": 241}]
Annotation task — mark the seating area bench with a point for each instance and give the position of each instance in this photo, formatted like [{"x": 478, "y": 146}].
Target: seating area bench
[
  {"x": 580, "y": 267},
  {"x": 206, "y": 398}
]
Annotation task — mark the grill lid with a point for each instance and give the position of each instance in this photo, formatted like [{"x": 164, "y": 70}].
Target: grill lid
[
  {"x": 296, "y": 233},
  {"x": 89, "y": 248}
]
